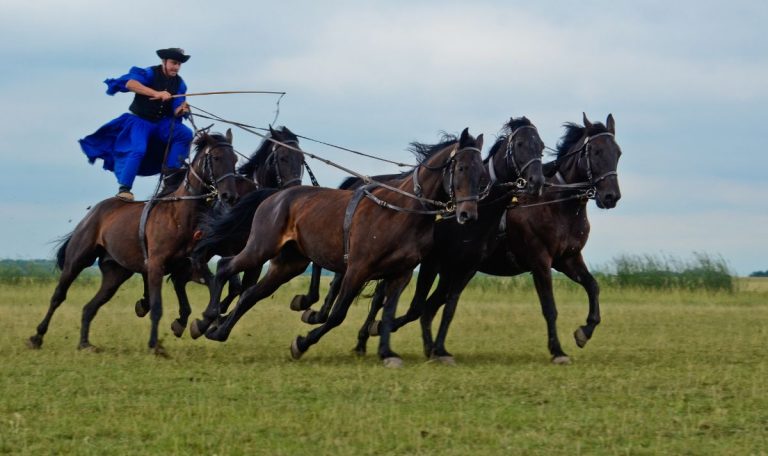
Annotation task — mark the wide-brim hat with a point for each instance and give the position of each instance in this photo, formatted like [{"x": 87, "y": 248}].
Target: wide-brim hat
[{"x": 173, "y": 54}]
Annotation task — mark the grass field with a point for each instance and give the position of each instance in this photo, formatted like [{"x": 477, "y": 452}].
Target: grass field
[{"x": 668, "y": 372}]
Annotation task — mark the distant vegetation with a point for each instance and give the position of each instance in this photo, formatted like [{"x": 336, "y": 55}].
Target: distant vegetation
[
  {"x": 702, "y": 272},
  {"x": 759, "y": 273}
]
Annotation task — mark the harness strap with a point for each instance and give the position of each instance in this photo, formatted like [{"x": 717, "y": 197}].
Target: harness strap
[
  {"x": 143, "y": 228},
  {"x": 349, "y": 213}
]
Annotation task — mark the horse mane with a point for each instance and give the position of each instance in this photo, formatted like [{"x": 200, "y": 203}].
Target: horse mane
[
  {"x": 424, "y": 151},
  {"x": 352, "y": 182},
  {"x": 262, "y": 152},
  {"x": 204, "y": 139},
  {"x": 573, "y": 133},
  {"x": 506, "y": 130},
  {"x": 220, "y": 228}
]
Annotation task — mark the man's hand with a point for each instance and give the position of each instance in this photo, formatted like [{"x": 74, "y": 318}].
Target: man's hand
[
  {"x": 163, "y": 96},
  {"x": 182, "y": 109}
]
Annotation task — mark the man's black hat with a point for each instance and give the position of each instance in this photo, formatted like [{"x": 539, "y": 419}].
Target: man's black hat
[{"x": 173, "y": 54}]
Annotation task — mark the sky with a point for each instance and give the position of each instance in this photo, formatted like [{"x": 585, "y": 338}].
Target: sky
[{"x": 685, "y": 81}]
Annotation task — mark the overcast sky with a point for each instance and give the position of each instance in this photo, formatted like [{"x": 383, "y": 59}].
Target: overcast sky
[{"x": 685, "y": 81}]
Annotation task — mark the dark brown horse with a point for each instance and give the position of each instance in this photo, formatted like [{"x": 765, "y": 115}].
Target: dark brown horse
[
  {"x": 370, "y": 242},
  {"x": 276, "y": 164},
  {"x": 514, "y": 164},
  {"x": 109, "y": 233},
  {"x": 549, "y": 232}
]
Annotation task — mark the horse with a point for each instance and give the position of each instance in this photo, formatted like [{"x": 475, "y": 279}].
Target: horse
[
  {"x": 380, "y": 232},
  {"x": 551, "y": 231},
  {"x": 110, "y": 233},
  {"x": 513, "y": 161},
  {"x": 276, "y": 164}
]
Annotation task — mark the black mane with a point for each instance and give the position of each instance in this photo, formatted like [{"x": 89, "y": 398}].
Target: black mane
[
  {"x": 209, "y": 138},
  {"x": 513, "y": 124},
  {"x": 573, "y": 133},
  {"x": 262, "y": 153},
  {"x": 424, "y": 151}
]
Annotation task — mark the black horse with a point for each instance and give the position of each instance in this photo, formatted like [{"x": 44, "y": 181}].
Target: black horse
[
  {"x": 550, "y": 231},
  {"x": 514, "y": 159}
]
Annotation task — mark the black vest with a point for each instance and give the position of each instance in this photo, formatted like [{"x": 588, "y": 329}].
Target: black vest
[{"x": 155, "y": 110}]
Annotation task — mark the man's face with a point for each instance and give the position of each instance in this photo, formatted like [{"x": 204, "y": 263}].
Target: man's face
[{"x": 171, "y": 67}]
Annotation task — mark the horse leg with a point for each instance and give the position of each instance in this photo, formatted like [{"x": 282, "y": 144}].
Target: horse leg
[
  {"x": 428, "y": 312},
  {"x": 155, "y": 273},
  {"x": 313, "y": 317},
  {"x": 279, "y": 273},
  {"x": 457, "y": 285},
  {"x": 70, "y": 271},
  {"x": 225, "y": 269},
  {"x": 351, "y": 285},
  {"x": 394, "y": 289},
  {"x": 542, "y": 279},
  {"x": 235, "y": 287},
  {"x": 427, "y": 274},
  {"x": 304, "y": 302},
  {"x": 142, "y": 305},
  {"x": 180, "y": 281},
  {"x": 112, "y": 276},
  {"x": 577, "y": 271},
  {"x": 370, "y": 325}
]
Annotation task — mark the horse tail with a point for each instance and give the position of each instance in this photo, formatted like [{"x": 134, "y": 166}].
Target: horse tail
[
  {"x": 62, "y": 250},
  {"x": 228, "y": 232}
]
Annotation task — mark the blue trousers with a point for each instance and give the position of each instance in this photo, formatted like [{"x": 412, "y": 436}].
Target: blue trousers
[{"x": 131, "y": 146}]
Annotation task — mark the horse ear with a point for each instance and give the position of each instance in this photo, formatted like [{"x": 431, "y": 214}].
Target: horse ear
[
  {"x": 464, "y": 136},
  {"x": 479, "y": 141},
  {"x": 610, "y": 124},
  {"x": 288, "y": 132},
  {"x": 229, "y": 135},
  {"x": 587, "y": 123},
  {"x": 271, "y": 131}
]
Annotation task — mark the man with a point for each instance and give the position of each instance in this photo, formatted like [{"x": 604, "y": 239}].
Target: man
[{"x": 136, "y": 142}]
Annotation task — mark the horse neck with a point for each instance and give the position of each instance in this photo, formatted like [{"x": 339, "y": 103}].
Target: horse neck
[
  {"x": 500, "y": 169},
  {"x": 430, "y": 176},
  {"x": 264, "y": 178}
]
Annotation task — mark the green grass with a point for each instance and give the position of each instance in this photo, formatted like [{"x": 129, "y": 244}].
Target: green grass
[{"x": 672, "y": 372}]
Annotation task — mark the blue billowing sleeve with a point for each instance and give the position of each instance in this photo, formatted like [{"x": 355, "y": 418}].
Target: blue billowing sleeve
[
  {"x": 142, "y": 75},
  {"x": 178, "y": 101}
]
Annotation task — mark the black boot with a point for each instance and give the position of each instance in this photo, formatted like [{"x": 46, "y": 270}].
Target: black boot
[{"x": 171, "y": 181}]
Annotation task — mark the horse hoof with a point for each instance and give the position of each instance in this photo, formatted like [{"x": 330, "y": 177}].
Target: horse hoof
[
  {"x": 88, "y": 348},
  {"x": 177, "y": 328},
  {"x": 374, "y": 327},
  {"x": 308, "y": 316},
  {"x": 295, "y": 350},
  {"x": 581, "y": 338},
  {"x": 446, "y": 360},
  {"x": 561, "y": 360},
  {"x": 35, "y": 342},
  {"x": 141, "y": 308},
  {"x": 194, "y": 329},
  {"x": 299, "y": 303},
  {"x": 393, "y": 362}
]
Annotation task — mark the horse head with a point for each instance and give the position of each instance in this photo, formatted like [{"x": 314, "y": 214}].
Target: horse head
[
  {"x": 277, "y": 163},
  {"x": 213, "y": 166},
  {"x": 521, "y": 160},
  {"x": 590, "y": 155}
]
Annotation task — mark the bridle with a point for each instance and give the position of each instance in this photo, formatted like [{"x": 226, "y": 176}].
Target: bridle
[
  {"x": 273, "y": 162},
  {"x": 209, "y": 180},
  {"x": 583, "y": 152},
  {"x": 449, "y": 166},
  {"x": 509, "y": 157}
]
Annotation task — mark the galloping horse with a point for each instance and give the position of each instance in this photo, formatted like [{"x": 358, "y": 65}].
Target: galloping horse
[
  {"x": 459, "y": 249},
  {"x": 110, "y": 233},
  {"x": 550, "y": 231},
  {"x": 276, "y": 164},
  {"x": 374, "y": 233},
  {"x": 513, "y": 161}
]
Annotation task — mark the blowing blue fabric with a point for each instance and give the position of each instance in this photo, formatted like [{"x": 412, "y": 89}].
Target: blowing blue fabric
[{"x": 130, "y": 145}]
